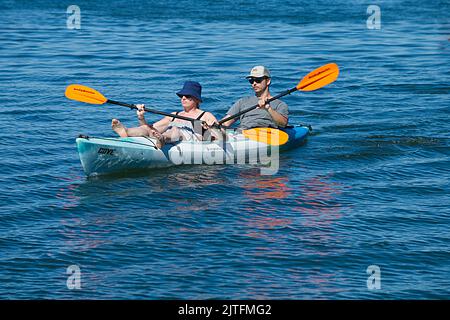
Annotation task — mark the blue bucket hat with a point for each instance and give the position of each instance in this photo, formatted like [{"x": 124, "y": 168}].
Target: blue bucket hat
[{"x": 191, "y": 88}]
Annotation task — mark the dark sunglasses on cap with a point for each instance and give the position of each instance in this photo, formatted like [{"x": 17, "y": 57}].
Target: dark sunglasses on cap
[{"x": 257, "y": 80}]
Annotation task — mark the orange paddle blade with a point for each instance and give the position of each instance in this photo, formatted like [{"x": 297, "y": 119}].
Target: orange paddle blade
[
  {"x": 269, "y": 136},
  {"x": 82, "y": 93},
  {"x": 319, "y": 78}
]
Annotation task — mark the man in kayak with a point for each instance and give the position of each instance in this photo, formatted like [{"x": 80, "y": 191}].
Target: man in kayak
[
  {"x": 274, "y": 114},
  {"x": 171, "y": 129}
]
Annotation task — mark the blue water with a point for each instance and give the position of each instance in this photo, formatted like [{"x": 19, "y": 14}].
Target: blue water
[{"x": 370, "y": 187}]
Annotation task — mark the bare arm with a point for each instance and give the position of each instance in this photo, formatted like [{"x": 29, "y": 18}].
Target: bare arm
[
  {"x": 160, "y": 125},
  {"x": 163, "y": 124},
  {"x": 140, "y": 114},
  {"x": 279, "y": 119},
  {"x": 229, "y": 122},
  {"x": 218, "y": 134},
  {"x": 210, "y": 119}
]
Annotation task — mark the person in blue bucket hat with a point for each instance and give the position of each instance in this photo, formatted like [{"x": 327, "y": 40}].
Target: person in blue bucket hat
[
  {"x": 171, "y": 129},
  {"x": 191, "y": 88}
]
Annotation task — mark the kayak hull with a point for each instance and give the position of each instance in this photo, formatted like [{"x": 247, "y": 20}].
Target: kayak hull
[{"x": 112, "y": 155}]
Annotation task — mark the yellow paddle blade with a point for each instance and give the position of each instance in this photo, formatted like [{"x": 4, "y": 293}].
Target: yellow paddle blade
[
  {"x": 82, "y": 93},
  {"x": 319, "y": 78},
  {"x": 269, "y": 136}
]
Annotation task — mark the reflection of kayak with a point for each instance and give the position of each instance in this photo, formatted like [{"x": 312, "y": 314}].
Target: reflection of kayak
[{"x": 109, "y": 155}]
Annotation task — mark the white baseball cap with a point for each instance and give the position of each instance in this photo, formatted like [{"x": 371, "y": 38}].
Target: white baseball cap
[{"x": 258, "y": 72}]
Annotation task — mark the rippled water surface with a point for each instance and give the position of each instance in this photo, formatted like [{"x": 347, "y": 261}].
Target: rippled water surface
[{"x": 370, "y": 187}]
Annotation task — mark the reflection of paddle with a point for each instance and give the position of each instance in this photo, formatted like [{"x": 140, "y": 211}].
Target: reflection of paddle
[
  {"x": 312, "y": 81},
  {"x": 85, "y": 94}
]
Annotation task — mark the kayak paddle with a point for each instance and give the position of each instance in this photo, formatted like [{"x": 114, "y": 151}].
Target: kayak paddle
[
  {"x": 312, "y": 81},
  {"x": 270, "y": 136},
  {"x": 85, "y": 94}
]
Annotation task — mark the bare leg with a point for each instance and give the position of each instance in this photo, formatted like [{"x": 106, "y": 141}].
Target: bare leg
[
  {"x": 119, "y": 128},
  {"x": 141, "y": 131},
  {"x": 171, "y": 135},
  {"x": 147, "y": 131}
]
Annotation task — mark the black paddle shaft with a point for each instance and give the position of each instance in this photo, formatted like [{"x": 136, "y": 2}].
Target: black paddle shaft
[
  {"x": 133, "y": 106},
  {"x": 256, "y": 105}
]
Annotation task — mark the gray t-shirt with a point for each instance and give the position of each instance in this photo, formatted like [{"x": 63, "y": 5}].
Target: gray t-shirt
[{"x": 257, "y": 117}]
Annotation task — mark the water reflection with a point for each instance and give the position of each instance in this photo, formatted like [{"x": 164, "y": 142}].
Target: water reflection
[
  {"x": 196, "y": 176},
  {"x": 317, "y": 201},
  {"x": 67, "y": 192},
  {"x": 262, "y": 212},
  {"x": 82, "y": 235},
  {"x": 262, "y": 188},
  {"x": 84, "y": 231},
  {"x": 278, "y": 203}
]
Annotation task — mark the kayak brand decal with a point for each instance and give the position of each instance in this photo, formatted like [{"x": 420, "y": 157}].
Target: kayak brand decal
[
  {"x": 107, "y": 151},
  {"x": 83, "y": 90},
  {"x": 318, "y": 73}
]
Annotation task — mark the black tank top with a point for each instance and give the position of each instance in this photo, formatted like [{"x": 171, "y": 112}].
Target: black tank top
[{"x": 198, "y": 118}]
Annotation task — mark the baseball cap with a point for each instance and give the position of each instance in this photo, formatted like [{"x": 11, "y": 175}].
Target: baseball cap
[{"x": 258, "y": 72}]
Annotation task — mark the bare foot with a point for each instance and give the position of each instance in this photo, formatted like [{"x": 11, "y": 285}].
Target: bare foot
[{"x": 119, "y": 128}]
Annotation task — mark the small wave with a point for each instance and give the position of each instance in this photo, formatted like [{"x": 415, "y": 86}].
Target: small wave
[
  {"x": 407, "y": 141},
  {"x": 416, "y": 88}
]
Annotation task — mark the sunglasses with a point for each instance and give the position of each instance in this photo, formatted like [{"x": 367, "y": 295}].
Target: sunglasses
[
  {"x": 187, "y": 97},
  {"x": 257, "y": 80}
]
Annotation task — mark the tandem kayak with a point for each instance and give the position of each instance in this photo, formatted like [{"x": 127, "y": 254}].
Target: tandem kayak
[{"x": 112, "y": 155}]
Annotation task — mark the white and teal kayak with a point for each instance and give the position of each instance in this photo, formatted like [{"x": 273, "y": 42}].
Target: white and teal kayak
[{"x": 112, "y": 155}]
